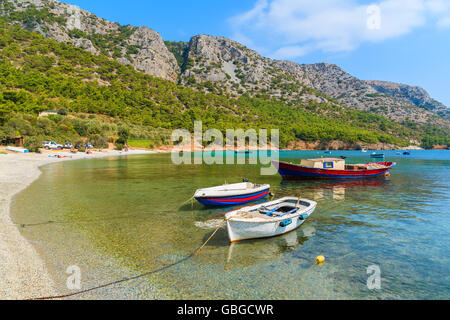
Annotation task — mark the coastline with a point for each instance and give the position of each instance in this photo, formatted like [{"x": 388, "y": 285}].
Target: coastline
[{"x": 24, "y": 274}]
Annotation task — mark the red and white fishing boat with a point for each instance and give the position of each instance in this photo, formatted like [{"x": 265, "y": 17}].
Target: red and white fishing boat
[
  {"x": 331, "y": 168},
  {"x": 232, "y": 194}
]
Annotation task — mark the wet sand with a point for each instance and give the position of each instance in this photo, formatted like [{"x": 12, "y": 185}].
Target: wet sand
[{"x": 24, "y": 274}]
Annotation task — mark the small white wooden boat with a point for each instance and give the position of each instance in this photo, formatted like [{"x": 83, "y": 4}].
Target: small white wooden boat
[
  {"x": 17, "y": 149},
  {"x": 232, "y": 194},
  {"x": 268, "y": 219}
]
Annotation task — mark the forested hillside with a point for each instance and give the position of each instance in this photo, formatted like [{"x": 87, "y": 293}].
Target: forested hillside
[
  {"x": 223, "y": 66},
  {"x": 38, "y": 74}
]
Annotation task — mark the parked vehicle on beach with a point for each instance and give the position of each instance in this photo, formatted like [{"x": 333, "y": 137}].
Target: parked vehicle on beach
[
  {"x": 68, "y": 145},
  {"x": 52, "y": 145},
  {"x": 268, "y": 219},
  {"x": 86, "y": 146}
]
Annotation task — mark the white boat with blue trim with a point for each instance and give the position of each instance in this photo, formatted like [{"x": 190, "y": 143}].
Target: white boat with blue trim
[
  {"x": 232, "y": 194},
  {"x": 268, "y": 219}
]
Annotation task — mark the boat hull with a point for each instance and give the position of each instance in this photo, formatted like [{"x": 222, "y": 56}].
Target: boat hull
[
  {"x": 293, "y": 172},
  {"x": 233, "y": 200},
  {"x": 245, "y": 230}
]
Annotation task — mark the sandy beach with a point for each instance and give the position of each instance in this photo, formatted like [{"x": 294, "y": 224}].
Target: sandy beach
[{"x": 24, "y": 274}]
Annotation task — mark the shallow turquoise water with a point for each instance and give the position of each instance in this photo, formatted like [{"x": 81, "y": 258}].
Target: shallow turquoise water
[{"x": 118, "y": 217}]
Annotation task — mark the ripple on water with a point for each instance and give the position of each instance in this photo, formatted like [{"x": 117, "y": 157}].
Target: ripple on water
[{"x": 116, "y": 218}]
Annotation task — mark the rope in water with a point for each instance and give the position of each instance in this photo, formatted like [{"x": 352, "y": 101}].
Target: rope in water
[
  {"x": 99, "y": 218},
  {"x": 196, "y": 252}
]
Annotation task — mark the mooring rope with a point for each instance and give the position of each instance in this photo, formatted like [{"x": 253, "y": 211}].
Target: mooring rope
[
  {"x": 213, "y": 234},
  {"x": 99, "y": 218},
  {"x": 195, "y": 253}
]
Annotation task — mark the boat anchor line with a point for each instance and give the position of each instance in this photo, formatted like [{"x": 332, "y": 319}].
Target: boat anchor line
[
  {"x": 26, "y": 225},
  {"x": 195, "y": 253}
]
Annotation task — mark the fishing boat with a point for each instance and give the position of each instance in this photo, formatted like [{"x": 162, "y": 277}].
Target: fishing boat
[
  {"x": 268, "y": 219},
  {"x": 232, "y": 194},
  {"x": 331, "y": 168},
  {"x": 377, "y": 155}
]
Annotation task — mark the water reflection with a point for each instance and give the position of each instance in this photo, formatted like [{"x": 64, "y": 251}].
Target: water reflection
[
  {"x": 248, "y": 253},
  {"x": 335, "y": 189},
  {"x": 124, "y": 217}
]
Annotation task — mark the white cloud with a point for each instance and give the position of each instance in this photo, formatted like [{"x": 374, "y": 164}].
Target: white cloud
[
  {"x": 292, "y": 28},
  {"x": 444, "y": 22}
]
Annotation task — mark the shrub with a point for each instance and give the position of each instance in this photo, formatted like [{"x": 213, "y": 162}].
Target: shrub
[
  {"x": 99, "y": 141},
  {"x": 33, "y": 144},
  {"x": 63, "y": 112},
  {"x": 121, "y": 141}
]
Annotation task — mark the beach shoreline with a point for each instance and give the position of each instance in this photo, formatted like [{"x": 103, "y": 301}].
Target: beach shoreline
[{"x": 24, "y": 274}]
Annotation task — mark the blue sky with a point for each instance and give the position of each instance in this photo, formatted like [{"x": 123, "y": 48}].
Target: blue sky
[{"x": 406, "y": 41}]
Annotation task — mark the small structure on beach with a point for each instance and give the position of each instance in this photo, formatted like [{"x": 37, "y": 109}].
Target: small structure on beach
[{"x": 17, "y": 141}]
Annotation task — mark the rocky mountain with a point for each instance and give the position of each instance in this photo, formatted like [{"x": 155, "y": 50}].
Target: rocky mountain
[
  {"x": 224, "y": 66},
  {"x": 411, "y": 94},
  {"x": 237, "y": 70},
  {"x": 140, "y": 47}
]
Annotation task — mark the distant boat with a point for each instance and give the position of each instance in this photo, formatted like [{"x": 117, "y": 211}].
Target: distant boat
[
  {"x": 364, "y": 149},
  {"x": 327, "y": 152},
  {"x": 377, "y": 155},
  {"x": 406, "y": 153},
  {"x": 242, "y": 151},
  {"x": 331, "y": 169},
  {"x": 232, "y": 194},
  {"x": 268, "y": 219}
]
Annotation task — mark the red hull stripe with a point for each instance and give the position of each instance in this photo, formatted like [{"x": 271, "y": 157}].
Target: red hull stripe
[
  {"x": 242, "y": 199},
  {"x": 337, "y": 173}
]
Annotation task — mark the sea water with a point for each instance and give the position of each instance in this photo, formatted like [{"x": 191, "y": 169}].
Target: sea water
[{"x": 113, "y": 218}]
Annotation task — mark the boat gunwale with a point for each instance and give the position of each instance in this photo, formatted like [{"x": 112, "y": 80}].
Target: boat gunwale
[
  {"x": 312, "y": 206},
  {"x": 231, "y": 193},
  {"x": 393, "y": 164}
]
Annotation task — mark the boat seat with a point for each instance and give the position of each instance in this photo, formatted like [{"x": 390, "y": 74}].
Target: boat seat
[
  {"x": 263, "y": 210},
  {"x": 282, "y": 214}
]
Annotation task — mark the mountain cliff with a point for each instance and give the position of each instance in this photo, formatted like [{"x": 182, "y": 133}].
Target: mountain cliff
[
  {"x": 140, "y": 47},
  {"x": 225, "y": 67},
  {"x": 236, "y": 69},
  {"x": 411, "y": 94}
]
